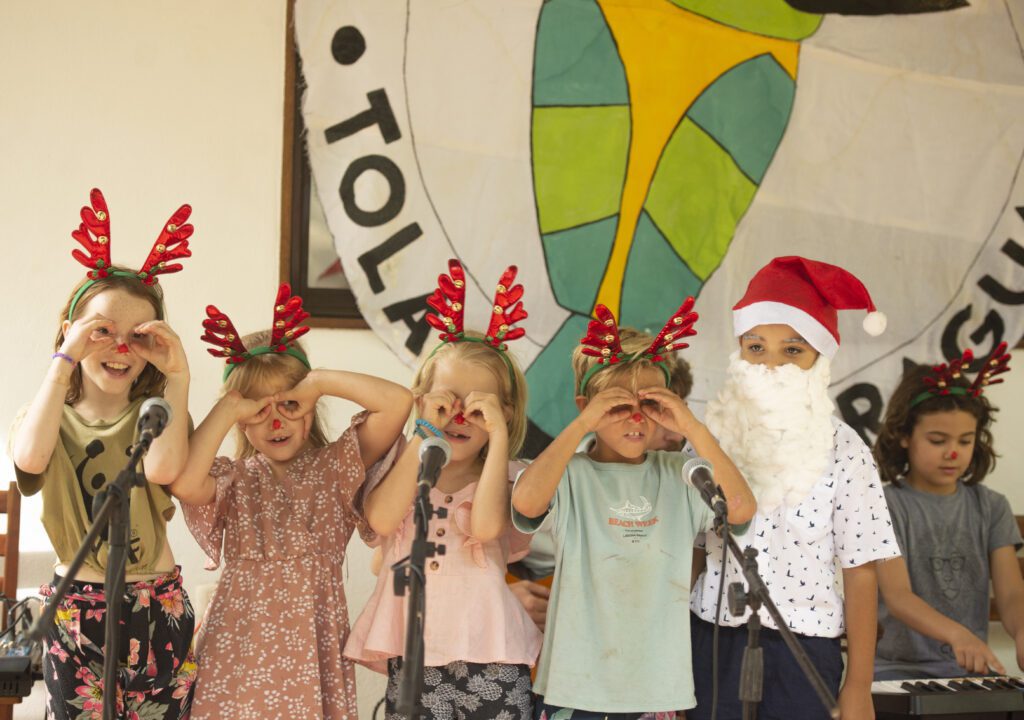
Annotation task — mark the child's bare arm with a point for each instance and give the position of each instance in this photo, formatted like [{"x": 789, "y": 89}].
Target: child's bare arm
[
  {"x": 387, "y": 504},
  {"x": 37, "y": 436},
  {"x": 195, "y": 485},
  {"x": 156, "y": 343},
  {"x": 910, "y": 609},
  {"x": 490, "y": 515},
  {"x": 1008, "y": 586},
  {"x": 537, "y": 485},
  {"x": 388, "y": 404},
  {"x": 667, "y": 409},
  {"x": 860, "y": 606}
]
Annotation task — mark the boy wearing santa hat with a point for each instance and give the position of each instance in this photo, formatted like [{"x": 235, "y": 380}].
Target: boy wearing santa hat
[{"x": 819, "y": 499}]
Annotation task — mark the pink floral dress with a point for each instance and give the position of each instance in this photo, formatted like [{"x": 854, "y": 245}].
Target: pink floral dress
[{"x": 271, "y": 643}]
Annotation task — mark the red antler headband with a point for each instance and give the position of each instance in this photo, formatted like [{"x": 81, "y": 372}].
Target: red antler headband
[
  {"x": 94, "y": 235},
  {"x": 943, "y": 379},
  {"x": 602, "y": 341},
  {"x": 288, "y": 313},
  {"x": 449, "y": 300}
]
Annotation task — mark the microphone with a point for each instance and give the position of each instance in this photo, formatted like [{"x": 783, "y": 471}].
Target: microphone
[
  {"x": 434, "y": 455},
  {"x": 698, "y": 473},
  {"x": 154, "y": 416}
]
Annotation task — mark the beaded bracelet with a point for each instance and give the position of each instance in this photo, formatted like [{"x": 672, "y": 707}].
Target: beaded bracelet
[
  {"x": 421, "y": 423},
  {"x": 62, "y": 356}
]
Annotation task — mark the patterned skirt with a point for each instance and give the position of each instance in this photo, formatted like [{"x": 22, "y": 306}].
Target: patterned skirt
[
  {"x": 157, "y": 669},
  {"x": 467, "y": 691}
]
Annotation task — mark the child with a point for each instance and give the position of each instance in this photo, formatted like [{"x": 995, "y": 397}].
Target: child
[
  {"x": 819, "y": 499},
  {"x": 624, "y": 520},
  {"x": 533, "y": 591},
  {"x": 113, "y": 350},
  {"x": 479, "y": 643},
  {"x": 283, "y": 509},
  {"x": 934, "y": 450}
]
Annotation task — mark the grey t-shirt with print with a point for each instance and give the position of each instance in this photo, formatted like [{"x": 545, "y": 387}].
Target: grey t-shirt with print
[{"x": 946, "y": 541}]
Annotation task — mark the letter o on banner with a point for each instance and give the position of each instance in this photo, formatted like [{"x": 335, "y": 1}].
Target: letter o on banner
[{"x": 396, "y": 191}]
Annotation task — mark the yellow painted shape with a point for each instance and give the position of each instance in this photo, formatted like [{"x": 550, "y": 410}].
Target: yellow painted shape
[{"x": 670, "y": 55}]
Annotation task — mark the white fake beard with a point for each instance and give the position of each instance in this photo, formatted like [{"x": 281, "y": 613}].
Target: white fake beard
[{"x": 775, "y": 424}]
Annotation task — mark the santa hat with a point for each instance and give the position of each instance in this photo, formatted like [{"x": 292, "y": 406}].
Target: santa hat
[{"x": 805, "y": 295}]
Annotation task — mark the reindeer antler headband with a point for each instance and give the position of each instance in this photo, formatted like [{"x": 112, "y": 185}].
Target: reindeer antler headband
[
  {"x": 602, "y": 341},
  {"x": 449, "y": 300},
  {"x": 942, "y": 380},
  {"x": 288, "y": 313},
  {"x": 94, "y": 235}
]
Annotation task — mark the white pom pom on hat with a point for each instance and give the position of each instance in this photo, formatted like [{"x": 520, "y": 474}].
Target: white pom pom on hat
[
  {"x": 875, "y": 323},
  {"x": 805, "y": 294}
]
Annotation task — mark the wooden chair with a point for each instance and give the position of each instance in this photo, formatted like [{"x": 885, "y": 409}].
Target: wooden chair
[
  {"x": 10, "y": 505},
  {"x": 993, "y": 613}
]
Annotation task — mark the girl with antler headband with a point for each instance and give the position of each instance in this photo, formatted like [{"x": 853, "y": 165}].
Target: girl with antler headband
[
  {"x": 617, "y": 640},
  {"x": 113, "y": 350},
  {"x": 934, "y": 450},
  {"x": 480, "y": 642},
  {"x": 280, "y": 513}
]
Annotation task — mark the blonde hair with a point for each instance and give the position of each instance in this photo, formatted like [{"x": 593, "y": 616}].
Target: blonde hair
[
  {"x": 256, "y": 373},
  {"x": 680, "y": 381},
  {"x": 150, "y": 382},
  {"x": 511, "y": 382}
]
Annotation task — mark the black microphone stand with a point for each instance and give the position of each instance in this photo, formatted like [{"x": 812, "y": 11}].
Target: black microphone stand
[
  {"x": 410, "y": 573},
  {"x": 114, "y": 516},
  {"x": 756, "y": 595}
]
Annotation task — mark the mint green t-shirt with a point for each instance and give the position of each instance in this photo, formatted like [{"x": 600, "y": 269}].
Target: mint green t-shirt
[{"x": 618, "y": 625}]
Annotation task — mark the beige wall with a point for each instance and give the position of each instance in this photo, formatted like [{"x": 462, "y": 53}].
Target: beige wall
[{"x": 159, "y": 104}]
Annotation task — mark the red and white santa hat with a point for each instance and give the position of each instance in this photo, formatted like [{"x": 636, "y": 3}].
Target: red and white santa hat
[{"x": 805, "y": 294}]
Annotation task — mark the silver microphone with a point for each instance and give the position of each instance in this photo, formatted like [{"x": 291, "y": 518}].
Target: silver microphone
[
  {"x": 698, "y": 473},
  {"x": 435, "y": 453},
  {"x": 154, "y": 416}
]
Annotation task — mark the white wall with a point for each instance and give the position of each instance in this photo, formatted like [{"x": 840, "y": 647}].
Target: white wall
[{"x": 159, "y": 104}]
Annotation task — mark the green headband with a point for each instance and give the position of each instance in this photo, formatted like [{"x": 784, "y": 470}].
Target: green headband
[
  {"x": 955, "y": 390},
  {"x": 501, "y": 348},
  {"x": 625, "y": 360},
  {"x": 93, "y": 281},
  {"x": 263, "y": 350}
]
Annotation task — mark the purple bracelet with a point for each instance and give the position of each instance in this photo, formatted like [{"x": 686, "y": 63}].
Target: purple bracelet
[{"x": 62, "y": 356}]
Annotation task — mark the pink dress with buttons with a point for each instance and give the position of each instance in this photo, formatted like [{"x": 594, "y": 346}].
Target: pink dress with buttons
[{"x": 471, "y": 615}]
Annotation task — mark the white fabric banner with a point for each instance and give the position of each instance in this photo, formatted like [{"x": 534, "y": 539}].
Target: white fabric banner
[{"x": 889, "y": 145}]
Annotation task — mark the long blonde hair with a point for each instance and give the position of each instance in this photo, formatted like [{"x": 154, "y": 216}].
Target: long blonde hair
[
  {"x": 150, "y": 382},
  {"x": 511, "y": 382},
  {"x": 257, "y": 372}
]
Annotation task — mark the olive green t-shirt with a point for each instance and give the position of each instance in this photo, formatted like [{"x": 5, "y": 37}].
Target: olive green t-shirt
[{"x": 87, "y": 457}]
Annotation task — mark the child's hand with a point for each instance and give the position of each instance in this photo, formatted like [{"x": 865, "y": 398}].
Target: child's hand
[
  {"x": 607, "y": 407},
  {"x": 245, "y": 411},
  {"x": 667, "y": 409},
  {"x": 86, "y": 336},
  {"x": 300, "y": 400},
  {"x": 484, "y": 410},
  {"x": 438, "y": 407},
  {"x": 973, "y": 655},
  {"x": 157, "y": 344}
]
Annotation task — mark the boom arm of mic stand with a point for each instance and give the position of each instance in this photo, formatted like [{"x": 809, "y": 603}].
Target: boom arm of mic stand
[{"x": 756, "y": 586}]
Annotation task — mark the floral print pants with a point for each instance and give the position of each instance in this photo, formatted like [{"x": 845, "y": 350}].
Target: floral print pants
[
  {"x": 157, "y": 668},
  {"x": 467, "y": 691}
]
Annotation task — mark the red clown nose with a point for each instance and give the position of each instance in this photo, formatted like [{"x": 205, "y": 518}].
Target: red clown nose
[
  {"x": 122, "y": 348},
  {"x": 637, "y": 417},
  {"x": 460, "y": 419},
  {"x": 954, "y": 455},
  {"x": 276, "y": 424}
]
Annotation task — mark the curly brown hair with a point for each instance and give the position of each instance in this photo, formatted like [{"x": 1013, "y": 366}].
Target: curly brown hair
[
  {"x": 901, "y": 417},
  {"x": 150, "y": 382}
]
